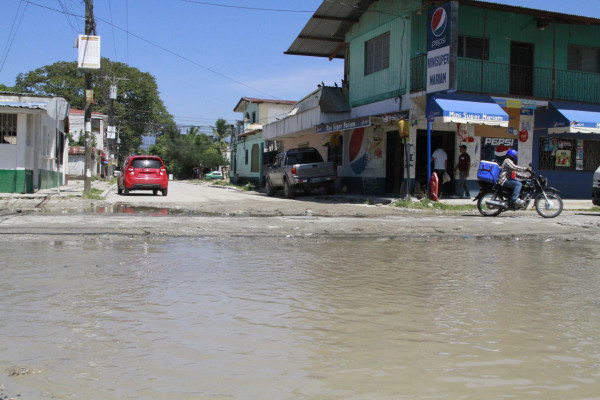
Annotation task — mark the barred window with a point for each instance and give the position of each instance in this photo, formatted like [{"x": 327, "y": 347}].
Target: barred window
[
  {"x": 569, "y": 154},
  {"x": 8, "y": 128},
  {"x": 377, "y": 54},
  {"x": 473, "y": 47},
  {"x": 582, "y": 58}
]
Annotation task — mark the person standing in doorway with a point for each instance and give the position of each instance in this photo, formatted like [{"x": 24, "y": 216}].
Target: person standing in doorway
[
  {"x": 463, "y": 167},
  {"x": 440, "y": 166}
]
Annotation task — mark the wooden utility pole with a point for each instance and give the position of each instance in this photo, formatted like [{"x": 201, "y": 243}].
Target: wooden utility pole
[{"x": 90, "y": 27}]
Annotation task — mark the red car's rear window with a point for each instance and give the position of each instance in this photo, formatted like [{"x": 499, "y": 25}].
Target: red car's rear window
[{"x": 145, "y": 163}]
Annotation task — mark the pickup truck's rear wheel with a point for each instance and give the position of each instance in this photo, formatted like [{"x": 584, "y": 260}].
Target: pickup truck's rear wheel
[
  {"x": 288, "y": 190},
  {"x": 270, "y": 188},
  {"x": 330, "y": 189}
]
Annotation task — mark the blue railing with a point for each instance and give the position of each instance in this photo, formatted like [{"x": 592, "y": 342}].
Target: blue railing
[{"x": 479, "y": 76}]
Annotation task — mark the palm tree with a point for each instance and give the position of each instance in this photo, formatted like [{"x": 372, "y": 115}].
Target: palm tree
[{"x": 220, "y": 131}]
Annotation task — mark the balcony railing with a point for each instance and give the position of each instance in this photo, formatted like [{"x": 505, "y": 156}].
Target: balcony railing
[{"x": 479, "y": 76}]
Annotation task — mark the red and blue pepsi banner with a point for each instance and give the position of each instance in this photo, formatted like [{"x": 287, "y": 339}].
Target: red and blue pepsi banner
[{"x": 442, "y": 47}]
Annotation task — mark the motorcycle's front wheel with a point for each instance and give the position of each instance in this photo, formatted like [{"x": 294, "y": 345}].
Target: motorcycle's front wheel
[
  {"x": 489, "y": 210},
  {"x": 549, "y": 208}
]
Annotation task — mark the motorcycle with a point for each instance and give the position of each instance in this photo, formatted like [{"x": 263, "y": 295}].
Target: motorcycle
[{"x": 493, "y": 199}]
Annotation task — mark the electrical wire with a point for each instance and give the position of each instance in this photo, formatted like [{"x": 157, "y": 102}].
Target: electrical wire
[
  {"x": 245, "y": 7},
  {"x": 165, "y": 50},
  {"x": 13, "y": 33}
]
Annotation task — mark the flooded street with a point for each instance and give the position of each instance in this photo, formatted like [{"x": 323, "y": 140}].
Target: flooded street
[{"x": 279, "y": 318}]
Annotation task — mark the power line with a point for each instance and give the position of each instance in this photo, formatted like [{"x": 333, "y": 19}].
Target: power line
[
  {"x": 164, "y": 49},
  {"x": 245, "y": 7},
  {"x": 13, "y": 33}
]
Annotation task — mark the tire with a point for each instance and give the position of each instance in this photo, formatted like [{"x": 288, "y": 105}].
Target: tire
[
  {"x": 119, "y": 190},
  {"x": 165, "y": 192},
  {"x": 126, "y": 191},
  {"x": 270, "y": 188},
  {"x": 155, "y": 191},
  {"x": 550, "y": 209},
  {"x": 330, "y": 188},
  {"x": 488, "y": 210},
  {"x": 288, "y": 190}
]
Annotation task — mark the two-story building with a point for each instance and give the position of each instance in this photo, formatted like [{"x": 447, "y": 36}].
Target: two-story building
[
  {"x": 99, "y": 154},
  {"x": 247, "y": 147},
  {"x": 32, "y": 142},
  {"x": 482, "y": 74}
]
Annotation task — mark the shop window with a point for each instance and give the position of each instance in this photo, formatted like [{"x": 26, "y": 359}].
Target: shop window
[
  {"x": 377, "y": 54},
  {"x": 8, "y": 128},
  {"x": 473, "y": 47},
  {"x": 254, "y": 166},
  {"x": 569, "y": 154},
  {"x": 584, "y": 59},
  {"x": 335, "y": 153}
]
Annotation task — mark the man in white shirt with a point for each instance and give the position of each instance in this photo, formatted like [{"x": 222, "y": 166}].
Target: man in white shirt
[{"x": 440, "y": 166}]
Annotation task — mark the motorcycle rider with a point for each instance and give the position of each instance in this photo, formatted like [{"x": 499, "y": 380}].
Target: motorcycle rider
[{"x": 509, "y": 173}]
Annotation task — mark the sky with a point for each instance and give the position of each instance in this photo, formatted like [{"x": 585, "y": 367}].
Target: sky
[{"x": 205, "y": 54}]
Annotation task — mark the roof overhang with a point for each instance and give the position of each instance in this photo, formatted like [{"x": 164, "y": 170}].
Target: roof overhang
[{"x": 325, "y": 32}]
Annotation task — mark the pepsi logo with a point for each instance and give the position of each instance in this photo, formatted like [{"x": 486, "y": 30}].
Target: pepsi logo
[{"x": 439, "y": 21}]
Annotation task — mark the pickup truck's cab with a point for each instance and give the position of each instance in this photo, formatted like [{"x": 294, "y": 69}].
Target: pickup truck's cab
[
  {"x": 300, "y": 168},
  {"x": 596, "y": 188}
]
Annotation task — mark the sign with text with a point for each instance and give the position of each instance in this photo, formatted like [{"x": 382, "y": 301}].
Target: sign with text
[
  {"x": 89, "y": 52},
  {"x": 442, "y": 47},
  {"x": 343, "y": 125}
]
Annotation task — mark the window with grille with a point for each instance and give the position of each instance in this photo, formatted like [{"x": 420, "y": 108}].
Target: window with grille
[
  {"x": 254, "y": 166},
  {"x": 584, "y": 59},
  {"x": 569, "y": 154},
  {"x": 473, "y": 47},
  {"x": 8, "y": 128},
  {"x": 377, "y": 54}
]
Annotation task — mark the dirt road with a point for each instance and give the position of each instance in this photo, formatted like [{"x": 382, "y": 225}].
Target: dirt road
[{"x": 208, "y": 211}]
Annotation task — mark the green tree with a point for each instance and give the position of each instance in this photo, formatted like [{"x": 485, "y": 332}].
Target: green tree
[
  {"x": 221, "y": 131},
  {"x": 138, "y": 110},
  {"x": 182, "y": 152}
]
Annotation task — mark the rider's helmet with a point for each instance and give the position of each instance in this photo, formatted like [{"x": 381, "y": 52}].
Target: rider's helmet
[{"x": 512, "y": 153}]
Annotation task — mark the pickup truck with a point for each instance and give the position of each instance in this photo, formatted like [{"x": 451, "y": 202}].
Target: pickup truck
[{"x": 300, "y": 168}]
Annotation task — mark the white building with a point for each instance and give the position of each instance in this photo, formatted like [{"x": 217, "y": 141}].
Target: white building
[{"x": 32, "y": 142}]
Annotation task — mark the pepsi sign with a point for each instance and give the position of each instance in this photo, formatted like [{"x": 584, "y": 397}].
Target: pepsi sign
[
  {"x": 442, "y": 37},
  {"x": 439, "y": 31}
]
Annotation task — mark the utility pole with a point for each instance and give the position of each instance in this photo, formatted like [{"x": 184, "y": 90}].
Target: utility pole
[
  {"x": 111, "y": 116},
  {"x": 90, "y": 27}
]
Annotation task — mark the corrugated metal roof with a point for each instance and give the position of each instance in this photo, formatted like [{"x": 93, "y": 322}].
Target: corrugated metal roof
[
  {"x": 29, "y": 105},
  {"x": 324, "y": 34}
]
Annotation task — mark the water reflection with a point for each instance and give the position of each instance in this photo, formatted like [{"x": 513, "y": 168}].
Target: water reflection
[{"x": 286, "y": 318}]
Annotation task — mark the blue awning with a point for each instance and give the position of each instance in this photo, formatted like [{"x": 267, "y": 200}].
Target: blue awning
[
  {"x": 573, "y": 118},
  {"x": 468, "y": 109}
]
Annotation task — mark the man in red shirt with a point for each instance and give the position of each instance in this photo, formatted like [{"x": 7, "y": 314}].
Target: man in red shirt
[{"x": 463, "y": 167}]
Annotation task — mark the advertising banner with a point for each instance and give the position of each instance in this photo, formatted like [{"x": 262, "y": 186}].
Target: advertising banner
[{"x": 442, "y": 47}]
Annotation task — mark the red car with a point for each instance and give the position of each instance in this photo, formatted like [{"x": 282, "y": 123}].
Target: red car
[{"x": 143, "y": 173}]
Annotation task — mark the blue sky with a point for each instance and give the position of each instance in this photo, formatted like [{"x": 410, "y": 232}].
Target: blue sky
[{"x": 205, "y": 55}]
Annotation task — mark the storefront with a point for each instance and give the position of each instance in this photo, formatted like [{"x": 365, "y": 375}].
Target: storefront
[
  {"x": 476, "y": 121},
  {"x": 566, "y": 146}
]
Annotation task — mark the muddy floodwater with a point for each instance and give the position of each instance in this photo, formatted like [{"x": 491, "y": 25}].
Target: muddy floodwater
[{"x": 288, "y": 318}]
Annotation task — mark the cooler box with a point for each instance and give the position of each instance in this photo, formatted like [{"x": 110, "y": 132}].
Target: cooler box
[{"x": 488, "y": 171}]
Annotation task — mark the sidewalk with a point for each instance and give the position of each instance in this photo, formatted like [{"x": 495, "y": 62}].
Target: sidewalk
[{"x": 74, "y": 188}]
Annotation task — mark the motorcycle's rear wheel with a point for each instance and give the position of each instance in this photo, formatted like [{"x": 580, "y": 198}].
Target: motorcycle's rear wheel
[
  {"x": 549, "y": 208},
  {"x": 489, "y": 210}
]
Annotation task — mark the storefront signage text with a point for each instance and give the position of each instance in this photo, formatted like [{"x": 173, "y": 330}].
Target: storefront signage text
[
  {"x": 476, "y": 117},
  {"x": 344, "y": 125}
]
